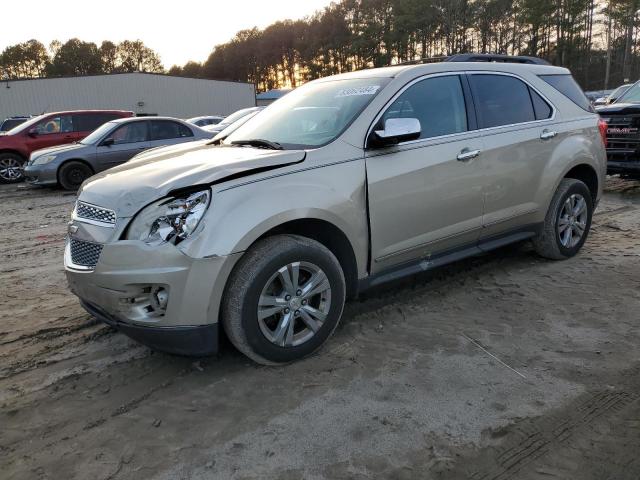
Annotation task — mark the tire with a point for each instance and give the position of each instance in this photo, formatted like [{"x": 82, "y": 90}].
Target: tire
[
  {"x": 256, "y": 278},
  {"x": 552, "y": 242},
  {"x": 72, "y": 174},
  {"x": 11, "y": 168}
]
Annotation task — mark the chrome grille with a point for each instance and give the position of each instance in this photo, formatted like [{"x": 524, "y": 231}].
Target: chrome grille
[
  {"x": 85, "y": 254},
  {"x": 97, "y": 214},
  {"x": 623, "y": 136}
]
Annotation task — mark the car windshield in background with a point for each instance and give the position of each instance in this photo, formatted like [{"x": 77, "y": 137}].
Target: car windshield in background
[
  {"x": 97, "y": 134},
  {"x": 632, "y": 95},
  {"x": 236, "y": 116},
  {"x": 23, "y": 126},
  {"x": 311, "y": 116}
]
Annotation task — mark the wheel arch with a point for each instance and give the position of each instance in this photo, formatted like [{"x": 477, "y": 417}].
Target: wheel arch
[
  {"x": 13, "y": 152},
  {"x": 65, "y": 162},
  {"x": 329, "y": 235},
  {"x": 586, "y": 174}
]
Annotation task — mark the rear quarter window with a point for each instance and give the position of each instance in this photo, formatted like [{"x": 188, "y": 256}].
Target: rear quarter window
[{"x": 567, "y": 86}]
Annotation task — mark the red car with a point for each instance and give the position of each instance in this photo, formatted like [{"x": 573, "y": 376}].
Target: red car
[{"x": 44, "y": 131}]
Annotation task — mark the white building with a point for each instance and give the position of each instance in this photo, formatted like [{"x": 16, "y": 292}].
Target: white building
[{"x": 142, "y": 93}]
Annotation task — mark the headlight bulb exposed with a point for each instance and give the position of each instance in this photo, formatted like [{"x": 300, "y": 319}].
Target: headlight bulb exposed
[{"x": 170, "y": 220}]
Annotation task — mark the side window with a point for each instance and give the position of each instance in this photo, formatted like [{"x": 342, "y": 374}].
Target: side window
[
  {"x": 166, "y": 129},
  {"x": 501, "y": 100},
  {"x": 59, "y": 124},
  {"x": 567, "y": 86},
  {"x": 88, "y": 122},
  {"x": 541, "y": 108},
  {"x": 438, "y": 103},
  {"x": 130, "y": 133}
]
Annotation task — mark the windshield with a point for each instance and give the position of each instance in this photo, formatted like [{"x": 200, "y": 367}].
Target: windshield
[
  {"x": 632, "y": 95},
  {"x": 26, "y": 125},
  {"x": 236, "y": 116},
  {"x": 312, "y": 115},
  {"x": 97, "y": 134},
  {"x": 618, "y": 92}
]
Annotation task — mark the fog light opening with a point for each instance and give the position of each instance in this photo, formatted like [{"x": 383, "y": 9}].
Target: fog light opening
[{"x": 161, "y": 298}]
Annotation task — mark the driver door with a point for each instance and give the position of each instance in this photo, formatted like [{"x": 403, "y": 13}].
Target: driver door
[
  {"x": 123, "y": 144},
  {"x": 425, "y": 195}
]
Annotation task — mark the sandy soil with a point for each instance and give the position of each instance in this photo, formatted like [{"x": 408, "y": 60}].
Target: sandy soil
[{"x": 503, "y": 366}]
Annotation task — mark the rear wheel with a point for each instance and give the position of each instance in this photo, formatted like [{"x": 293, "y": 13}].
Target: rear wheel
[
  {"x": 568, "y": 221},
  {"x": 284, "y": 299},
  {"x": 11, "y": 168},
  {"x": 72, "y": 174}
]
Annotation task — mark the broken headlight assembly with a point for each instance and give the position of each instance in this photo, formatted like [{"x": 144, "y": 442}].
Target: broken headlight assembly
[{"x": 171, "y": 219}]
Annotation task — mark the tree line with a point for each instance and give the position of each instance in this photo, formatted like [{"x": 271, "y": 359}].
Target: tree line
[
  {"x": 596, "y": 39},
  {"x": 32, "y": 59}
]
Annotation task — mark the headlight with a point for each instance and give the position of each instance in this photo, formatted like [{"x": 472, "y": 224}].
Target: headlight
[
  {"x": 43, "y": 159},
  {"x": 169, "y": 220}
]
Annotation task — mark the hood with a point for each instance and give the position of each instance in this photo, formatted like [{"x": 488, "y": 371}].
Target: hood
[
  {"x": 619, "y": 109},
  {"x": 153, "y": 175},
  {"x": 70, "y": 147}
]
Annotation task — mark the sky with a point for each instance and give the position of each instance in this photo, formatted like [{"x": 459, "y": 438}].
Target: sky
[{"x": 178, "y": 30}]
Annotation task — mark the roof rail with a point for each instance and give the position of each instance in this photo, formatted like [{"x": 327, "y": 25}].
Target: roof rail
[
  {"x": 490, "y": 57},
  {"x": 422, "y": 60}
]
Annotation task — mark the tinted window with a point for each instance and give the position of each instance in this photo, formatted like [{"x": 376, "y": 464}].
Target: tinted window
[
  {"x": 88, "y": 122},
  {"x": 130, "y": 133},
  {"x": 542, "y": 109},
  {"x": 438, "y": 103},
  {"x": 566, "y": 85},
  {"x": 9, "y": 124},
  {"x": 501, "y": 100},
  {"x": 163, "y": 130},
  {"x": 59, "y": 124}
]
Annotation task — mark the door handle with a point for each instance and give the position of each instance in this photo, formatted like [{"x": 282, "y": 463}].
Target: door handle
[
  {"x": 547, "y": 135},
  {"x": 467, "y": 155}
]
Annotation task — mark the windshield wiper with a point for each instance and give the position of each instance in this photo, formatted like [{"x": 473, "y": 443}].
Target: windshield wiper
[{"x": 258, "y": 142}]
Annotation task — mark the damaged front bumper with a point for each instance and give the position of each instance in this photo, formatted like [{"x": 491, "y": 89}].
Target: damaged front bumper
[{"x": 155, "y": 294}]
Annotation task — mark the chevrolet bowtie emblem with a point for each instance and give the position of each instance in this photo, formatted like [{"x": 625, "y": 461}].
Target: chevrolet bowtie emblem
[{"x": 72, "y": 228}]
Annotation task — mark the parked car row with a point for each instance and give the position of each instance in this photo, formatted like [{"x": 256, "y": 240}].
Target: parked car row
[{"x": 65, "y": 148}]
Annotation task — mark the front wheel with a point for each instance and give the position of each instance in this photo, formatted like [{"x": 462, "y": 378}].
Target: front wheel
[
  {"x": 72, "y": 174},
  {"x": 283, "y": 300},
  {"x": 568, "y": 221},
  {"x": 11, "y": 168}
]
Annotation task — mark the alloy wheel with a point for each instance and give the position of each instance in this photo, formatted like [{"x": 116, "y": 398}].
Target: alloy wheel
[
  {"x": 294, "y": 304},
  {"x": 10, "y": 169},
  {"x": 572, "y": 221}
]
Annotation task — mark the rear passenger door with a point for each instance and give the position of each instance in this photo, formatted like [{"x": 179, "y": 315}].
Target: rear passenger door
[
  {"x": 168, "y": 132},
  {"x": 519, "y": 138},
  {"x": 123, "y": 143},
  {"x": 425, "y": 195}
]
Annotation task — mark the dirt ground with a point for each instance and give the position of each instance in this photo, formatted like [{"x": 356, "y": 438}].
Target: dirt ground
[{"x": 502, "y": 366}]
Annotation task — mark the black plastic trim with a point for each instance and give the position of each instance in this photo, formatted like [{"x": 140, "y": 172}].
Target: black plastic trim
[
  {"x": 449, "y": 256},
  {"x": 192, "y": 341}
]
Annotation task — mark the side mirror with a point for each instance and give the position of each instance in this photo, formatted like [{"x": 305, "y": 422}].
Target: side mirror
[
  {"x": 108, "y": 142},
  {"x": 396, "y": 130},
  {"x": 33, "y": 132}
]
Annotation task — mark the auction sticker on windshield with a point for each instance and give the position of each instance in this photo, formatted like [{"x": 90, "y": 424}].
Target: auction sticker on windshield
[{"x": 350, "y": 92}]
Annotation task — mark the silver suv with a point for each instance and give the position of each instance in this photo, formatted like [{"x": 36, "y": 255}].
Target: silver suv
[{"x": 345, "y": 183}]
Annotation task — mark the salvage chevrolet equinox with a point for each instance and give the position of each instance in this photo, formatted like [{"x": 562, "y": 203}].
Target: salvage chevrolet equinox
[{"x": 345, "y": 183}]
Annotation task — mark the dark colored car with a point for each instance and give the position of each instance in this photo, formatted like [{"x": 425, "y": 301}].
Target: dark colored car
[
  {"x": 48, "y": 130},
  {"x": 12, "y": 122},
  {"x": 113, "y": 143},
  {"x": 623, "y": 133}
]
